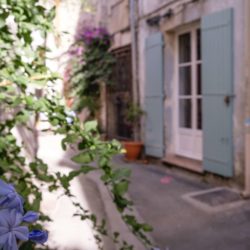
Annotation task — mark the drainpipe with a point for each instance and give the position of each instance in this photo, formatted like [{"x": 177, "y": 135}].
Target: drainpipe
[
  {"x": 133, "y": 31},
  {"x": 246, "y": 192}
]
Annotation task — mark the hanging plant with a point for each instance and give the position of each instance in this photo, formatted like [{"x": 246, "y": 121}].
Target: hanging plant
[{"x": 90, "y": 65}]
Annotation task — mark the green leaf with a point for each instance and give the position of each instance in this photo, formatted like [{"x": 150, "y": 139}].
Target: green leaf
[
  {"x": 103, "y": 161},
  {"x": 2, "y": 23},
  {"x": 147, "y": 228},
  {"x": 22, "y": 116},
  {"x": 90, "y": 126},
  {"x": 65, "y": 181},
  {"x": 84, "y": 157},
  {"x": 29, "y": 100},
  {"x": 54, "y": 122},
  {"x": 73, "y": 174},
  {"x": 87, "y": 169},
  {"x": 15, "y": 169},
  {"x": 121, "y": 173},
  {"x": 69, "y": 139},
  {"x": 27, "y": 245},
  {"x": 84, "y": 169},
  {"x": 121, "y": 188},
  {"x": 37, "y": 202}
]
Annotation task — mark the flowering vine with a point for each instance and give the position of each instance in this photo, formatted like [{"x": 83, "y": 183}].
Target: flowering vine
[
  {"x": 90, "y": 65},
  {"x": 29, "y": 175}
]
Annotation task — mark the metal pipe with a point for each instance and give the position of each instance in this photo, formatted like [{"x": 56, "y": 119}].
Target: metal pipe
[
  {"x": 133, "y": 31},
  {"x": 134, "y": 49}
]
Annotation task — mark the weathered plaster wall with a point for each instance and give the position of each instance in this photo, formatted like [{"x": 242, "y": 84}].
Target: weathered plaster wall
[
  {"x": 147, "y": 6},
  {"x": 118, "y": 22},
  {"x": 101, "y": 15},
  {"x": 70, "y": 16},
  {"x": 188, "y": 13},
  {"x": 118, "y": 18}
]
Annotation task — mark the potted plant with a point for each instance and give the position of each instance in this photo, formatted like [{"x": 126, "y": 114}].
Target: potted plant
[{"x": 133, "y": 148}]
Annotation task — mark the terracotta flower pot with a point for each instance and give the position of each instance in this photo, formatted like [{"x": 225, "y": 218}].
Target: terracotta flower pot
[{"x": 133, "y": 149}]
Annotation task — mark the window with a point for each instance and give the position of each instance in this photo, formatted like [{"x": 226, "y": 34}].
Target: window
[
  {"x": 189, "y": 80},
  {"x": 119, "y": 95}
]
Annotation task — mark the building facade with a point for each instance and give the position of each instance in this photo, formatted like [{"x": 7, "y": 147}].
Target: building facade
[
  {"x": 115, "y": 16},
  {"x": 190, "y": 78}
]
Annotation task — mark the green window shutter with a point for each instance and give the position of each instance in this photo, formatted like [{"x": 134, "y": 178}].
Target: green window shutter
[
  {"x": 217, "y": 91},
  {"x": 154, "y": 139}
]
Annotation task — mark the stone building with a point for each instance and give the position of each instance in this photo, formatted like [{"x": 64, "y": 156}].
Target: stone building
[
  {"x": 189, "y": 64},
  {"x": 115, "y": 16}
]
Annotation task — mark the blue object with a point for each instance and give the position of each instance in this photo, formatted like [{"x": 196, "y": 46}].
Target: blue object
[
  {"x": 9, "y": 198},
  {"x": 217, "y": 92},
  {"x": 38, "y": 236},
  {"x": 11, "y": 230},
  {"x": 30, "y": 217},
  {"x": 70, "y": 116},
  {"x": 12, "y": 217},
  {"x": 154, "y": 94}
]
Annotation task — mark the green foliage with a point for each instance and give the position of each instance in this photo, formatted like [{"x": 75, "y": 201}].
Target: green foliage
[
  {"x": 20, "y": 67},
  {"x": 134, "y": 113},
  {"x": 88, "y": 71},
  {"x": 132, "y": 118}
]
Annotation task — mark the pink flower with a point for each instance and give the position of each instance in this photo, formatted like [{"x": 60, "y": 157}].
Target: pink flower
[{"x": 91, "y": 34}]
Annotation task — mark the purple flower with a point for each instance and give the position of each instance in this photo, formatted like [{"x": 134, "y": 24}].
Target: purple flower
[
  {"x": 79, "y": 51},
  {"x": 76, "y": 50},
  {"x": 70, "y": 116},
  {"x": 38, "y": 236},
  {"x": 10, "y": 229},
  {"x": 91, "y": 34},
  {"x": 30, "y": 217},
  {"x": 11, "y": 217},
  {"x": 9, "y": 198}
]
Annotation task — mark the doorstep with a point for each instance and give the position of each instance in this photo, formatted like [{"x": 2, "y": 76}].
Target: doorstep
[{"x": 184, "y": 162}]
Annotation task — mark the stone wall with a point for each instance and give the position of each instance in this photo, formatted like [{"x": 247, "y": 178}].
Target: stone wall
[
  {"x": 70, "y": 17},
  {"x": 187, "y": 13},
  {"x": 114, "y": 14},
  {"x": 147, "y": 6}
]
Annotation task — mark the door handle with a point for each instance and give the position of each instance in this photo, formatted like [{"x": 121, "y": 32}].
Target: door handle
[{"x": 227, "y": 99}]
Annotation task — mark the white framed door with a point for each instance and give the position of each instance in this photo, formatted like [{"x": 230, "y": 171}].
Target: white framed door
[{"x": 188, "y": 97}]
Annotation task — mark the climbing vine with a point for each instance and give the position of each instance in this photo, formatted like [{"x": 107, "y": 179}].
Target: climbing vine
[
  {"x": 90, "y": 65},
  {"x": 22, "y": 65}
]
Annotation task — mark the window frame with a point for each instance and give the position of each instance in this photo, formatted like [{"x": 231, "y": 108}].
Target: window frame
[
  {"x": 194, "y": 97},
  {"x": 187, "y": 141}
]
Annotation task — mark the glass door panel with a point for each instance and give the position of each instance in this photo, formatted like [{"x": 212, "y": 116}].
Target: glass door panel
[{"x": 189, "y": 94}]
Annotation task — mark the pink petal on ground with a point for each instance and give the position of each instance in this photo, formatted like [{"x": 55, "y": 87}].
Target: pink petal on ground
[{"x": 166, "y": 180}]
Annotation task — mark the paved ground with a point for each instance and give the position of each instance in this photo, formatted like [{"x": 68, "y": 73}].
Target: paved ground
[
  {"x": 158, "y": 193},
  {"x": 65, "y": 231},
  {"x": 160, "y": 198}
]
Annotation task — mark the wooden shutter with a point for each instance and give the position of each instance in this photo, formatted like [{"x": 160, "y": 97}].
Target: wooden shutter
[
  {"x": 154, "y": 96},
  {"x": 217, "y": 80}
]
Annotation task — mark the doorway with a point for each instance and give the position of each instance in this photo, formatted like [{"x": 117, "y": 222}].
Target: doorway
[
  {"x": 119, "y": 95},
  {"x": 188, "y": 93}
]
